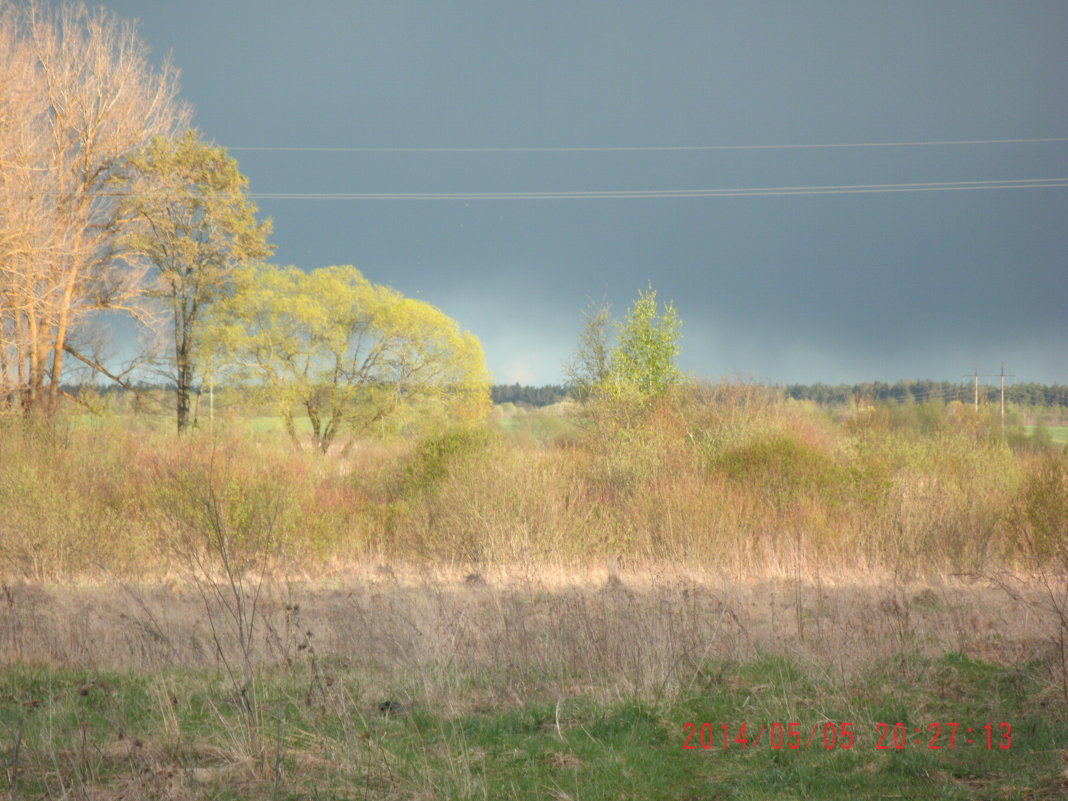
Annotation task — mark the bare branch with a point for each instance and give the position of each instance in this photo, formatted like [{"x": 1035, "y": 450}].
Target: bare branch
[{"x": 99, "y": 368}]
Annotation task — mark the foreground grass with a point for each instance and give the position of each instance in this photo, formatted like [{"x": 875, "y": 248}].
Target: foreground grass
[
  {"x": 180, "y": 734},
  {"x": 387, "y": 684}
]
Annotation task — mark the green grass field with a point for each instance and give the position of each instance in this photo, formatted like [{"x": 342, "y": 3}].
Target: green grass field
[
  {"x": 1058, "y": 433},
  {"x": 180, "y": 734}
]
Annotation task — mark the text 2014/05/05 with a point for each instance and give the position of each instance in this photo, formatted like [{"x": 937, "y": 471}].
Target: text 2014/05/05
[{"x": 831, "y": 735}]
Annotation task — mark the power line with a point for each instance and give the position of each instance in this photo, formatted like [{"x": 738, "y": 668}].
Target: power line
[
  {"x": 649, "y": 148},
  {"x": 643, "y": 194},
  {"x": 638, "y": 194}
]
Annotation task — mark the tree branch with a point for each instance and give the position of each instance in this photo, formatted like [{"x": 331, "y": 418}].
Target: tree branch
[{"x": 99, "y": 368}]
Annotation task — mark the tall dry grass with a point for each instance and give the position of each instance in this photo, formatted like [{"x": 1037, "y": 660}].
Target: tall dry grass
[
  {"x": 733, "y": 478},
  {"x": 728, "y": 477},
  {"x": 447, "y": 639}
]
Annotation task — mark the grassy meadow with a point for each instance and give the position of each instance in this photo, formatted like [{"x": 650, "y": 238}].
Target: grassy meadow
[{"x": 538, "y": 606}]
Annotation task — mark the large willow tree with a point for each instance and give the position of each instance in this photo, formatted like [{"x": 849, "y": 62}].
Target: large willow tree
[
  {"x": 346, "y": 353},
  {"x": 78, "y": 96}
]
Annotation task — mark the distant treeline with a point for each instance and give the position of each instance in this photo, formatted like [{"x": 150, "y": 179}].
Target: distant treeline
[
  {"x": 919, "y": 391},
  {"x": 529, "y": 396},
  {"x": 925, "y": 391},
  {"x": 502, "y": 393}
]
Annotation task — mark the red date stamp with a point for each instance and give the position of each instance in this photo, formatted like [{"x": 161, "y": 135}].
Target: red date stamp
[{"x": 831, "y": 735}]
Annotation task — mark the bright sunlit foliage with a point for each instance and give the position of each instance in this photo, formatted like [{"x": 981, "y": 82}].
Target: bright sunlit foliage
[{"x": 346, "y": 352}]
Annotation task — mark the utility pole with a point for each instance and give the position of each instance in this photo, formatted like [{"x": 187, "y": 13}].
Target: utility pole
[
  {"x": 1003, "y": 374},
  {"x": 977, "y": 375}
]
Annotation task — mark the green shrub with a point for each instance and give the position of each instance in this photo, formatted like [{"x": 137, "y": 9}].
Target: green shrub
[
  {"x": 68, "y": 501},
  {"x": 1040, "y": 513},
  {"x": 435, "y": 455},
  {"x": 785, "y": 467}
]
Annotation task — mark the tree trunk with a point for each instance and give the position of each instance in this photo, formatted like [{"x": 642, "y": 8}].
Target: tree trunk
[
  {"x": 185, "y": 314},
  {"x": 184, "y": 373},
  {"x": 35, "y": 370},
  {"x": 185, "y": 376},
  {"x": 291, "y": 429}
]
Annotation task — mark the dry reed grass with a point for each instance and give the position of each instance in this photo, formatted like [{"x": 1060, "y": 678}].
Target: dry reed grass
[{"x": 439, "y": 634}]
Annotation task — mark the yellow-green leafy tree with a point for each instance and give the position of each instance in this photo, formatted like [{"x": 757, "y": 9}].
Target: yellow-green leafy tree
[
  {"x": 648, "y": 344},
  {"x": 345, "y": 352},
  {"x": 192, "y": 220},
  {"x": 640, "y": 365}
]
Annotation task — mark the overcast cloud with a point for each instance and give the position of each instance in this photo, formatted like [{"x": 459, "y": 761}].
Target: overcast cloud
[{"x": 784, "y": 288}]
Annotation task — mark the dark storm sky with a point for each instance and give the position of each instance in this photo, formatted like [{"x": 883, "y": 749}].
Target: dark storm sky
[{"x": 799, "y": 287}]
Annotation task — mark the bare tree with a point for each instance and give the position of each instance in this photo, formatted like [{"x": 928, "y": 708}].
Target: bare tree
[
  {"x": 21, "y": 215},
  {"x": 89, "y": 98}
]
